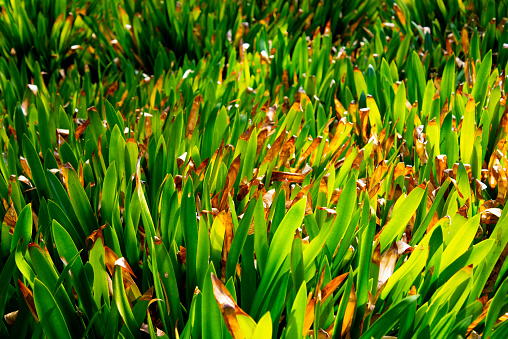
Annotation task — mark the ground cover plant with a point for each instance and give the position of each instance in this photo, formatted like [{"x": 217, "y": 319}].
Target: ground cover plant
[{"x": 220, "y": 169}]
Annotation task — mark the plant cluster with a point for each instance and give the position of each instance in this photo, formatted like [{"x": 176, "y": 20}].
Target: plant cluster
[{"x": 253, "y": 169}]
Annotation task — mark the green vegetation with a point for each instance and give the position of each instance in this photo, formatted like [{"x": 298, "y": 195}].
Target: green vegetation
[{"x": 236, "y": 169}]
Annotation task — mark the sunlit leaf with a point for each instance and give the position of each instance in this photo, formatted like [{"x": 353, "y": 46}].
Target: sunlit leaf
[{"x": 229, "y": 309}]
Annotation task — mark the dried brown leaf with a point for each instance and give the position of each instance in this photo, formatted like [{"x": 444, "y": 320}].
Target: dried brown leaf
[
  {"x": 290, "y": 177},
  {"x": 464, "y": 37},
  {"x": 288, "y": 149},
  {"x": 441, "y": 164},
  {"x": 181, "y": 255},
  {"x": 320, "y": 295},
  {"x": 29, "y": 298},
  {"x": 275, "y": 148},
  {"x": 400, "y": 14},
  {"x": 312, "y": 147},
  {"x": 350, "y": 311},
  {"x": 364, "y": 120},
  {"x": 227, "y": 221},
  {"x": 490, "y": 215},
  {"x": 25, "y": 167},
  {"x": 10, "y": 318},
  {"x": 11, "y": 217},
  {"x": 81, "y": 128},
  {"x": 339, "y": 108},
  {"x": 193, "y": 116},
  {"x": 230, "y": 181},
  {"x": 228, "y": 308},
  {"x": 387, "y": 264},
  {"x": 97, "y": 234}
]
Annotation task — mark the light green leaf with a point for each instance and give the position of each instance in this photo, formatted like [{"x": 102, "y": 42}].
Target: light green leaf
[
  {"x": 400, "y": 217},
  {"x": 264, "y": 327}
]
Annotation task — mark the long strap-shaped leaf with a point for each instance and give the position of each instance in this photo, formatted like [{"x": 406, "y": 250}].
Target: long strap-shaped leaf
[
  {"x": 278, "y": 251},
  {"x": 400, "y": 218},
  {"x": 50, "y": 315},
  {"x": 381, "y": 327},
  {"x": 123, "y": 304}
]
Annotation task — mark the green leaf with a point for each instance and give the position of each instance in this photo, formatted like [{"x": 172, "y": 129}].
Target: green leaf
[
  {"x": 279, "y": 250},
  {"x": 399, "y": 108},
  {"x": 190, "y": 232},
  {"x": 22, "y": 265},
  {"x": 113, "y": 118},
  {"x": 23, "y": 229},
  {"x": 36, "y": 167},
  {"x": 297, "y": 267},
  {"x": 239, "y": 239},
  {"x": 495, "y": 308},
  {"x": 167, "y": 276},
  {"x": 217, "y": 233},
  {"x": 100, "y": 279},
  {"x": 248, "y": 160},
  {"x": 211, "y": 318},
  {"x": 416, "y": 262},
  {"x": 69, "y": 254},
  {"x": 81, "y": 204},
  {"x": 296, "y": 317},
  {"x": 263, "y": 328},
  {"x": 203, "y": 253},
  {"x": 482, "y": 77},
  {"x": 345, "y": 209},
  {"x": 448, "y": 81},
  {"x": 20, "y": 125},
  {"x": 400, "y": 217},
  {"x": 260, "y": 236},
  {"x": 122, "y": 303},
  {"x": 420, "y": 231},
  {"x": 363, "y": 275},
  {"x": 501, "y": 331},
  {"x": 109, "y": 194},
  {"x": 402, "y": 50},
  {"x": 5, "y": 280},
  {"x": 388, "y": 319},
  {"x": 374, "y": 119},
  {"x": 361, "y": 86},
  {"x": 61, "y": 199},
  {"x": 65, "y": 272},
  {"x": 419, "y": 75},
  {"x": 467, "y": 132},
  {"x": 50, "y": 315},
  {"x": 46, "y": 272},
  {"x": 44, "y": 131},
  {"x": 461, "y": 241}
]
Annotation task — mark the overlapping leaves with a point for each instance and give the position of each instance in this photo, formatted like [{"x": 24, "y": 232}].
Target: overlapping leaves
[{"x": 253, "y": 170}]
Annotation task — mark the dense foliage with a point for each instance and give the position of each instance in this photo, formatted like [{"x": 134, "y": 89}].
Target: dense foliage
[{"x": 253, "y": 169}]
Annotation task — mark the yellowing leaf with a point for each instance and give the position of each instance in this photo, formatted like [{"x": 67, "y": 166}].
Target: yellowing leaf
[
  {"x": 264, "y": 327},
  {"x": 467, "y": 132},
  {"x": 230, "y": 311},
  {"x": 350, "y": 311},
  {"x": 156, "y": 88},
  {"x": 324, "y": 294}
]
